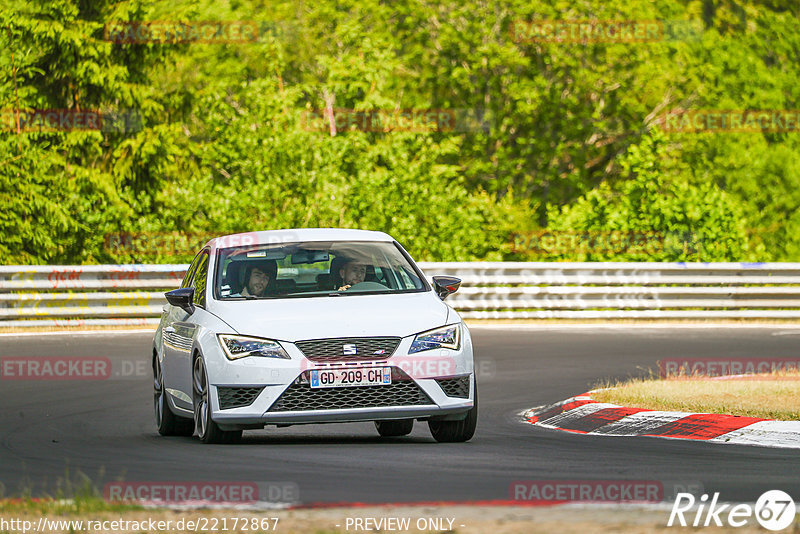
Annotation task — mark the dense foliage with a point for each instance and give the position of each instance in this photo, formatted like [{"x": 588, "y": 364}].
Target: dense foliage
[{"x": 563, "y": 138}]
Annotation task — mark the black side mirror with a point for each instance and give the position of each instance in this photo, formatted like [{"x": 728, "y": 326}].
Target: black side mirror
[
  {"x": 181, "y": 298},
  {"x": 446, "y": 285}
]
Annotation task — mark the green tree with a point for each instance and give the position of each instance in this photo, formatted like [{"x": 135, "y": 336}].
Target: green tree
[{"x": 658, "y": 219}]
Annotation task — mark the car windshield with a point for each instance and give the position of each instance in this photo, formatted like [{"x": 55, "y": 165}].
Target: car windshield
[{"x": 314, "y": 269}]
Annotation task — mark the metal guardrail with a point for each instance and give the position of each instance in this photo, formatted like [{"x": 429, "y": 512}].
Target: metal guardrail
[
  {"x": 134, "y": 294},
  {"x": 90, "y": 295},
  {"x": 608, "y": 290}
]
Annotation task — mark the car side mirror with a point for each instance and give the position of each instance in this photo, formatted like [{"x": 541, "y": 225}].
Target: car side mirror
[
  {"x": 446, "y": 285},
  {"x": 182, "y": 298}
]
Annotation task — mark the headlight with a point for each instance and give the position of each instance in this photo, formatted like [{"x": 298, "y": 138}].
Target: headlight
[
  {"x": 236, "y": 347},
  {"x": 446, "y": 337}
]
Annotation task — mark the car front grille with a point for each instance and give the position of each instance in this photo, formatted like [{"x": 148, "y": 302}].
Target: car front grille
[
  {"x": 334, "y": 349},
  {"x": 455, "y": 387},
  {"x": 236, "y": 397},
  {"x": 299, "y": 396}
]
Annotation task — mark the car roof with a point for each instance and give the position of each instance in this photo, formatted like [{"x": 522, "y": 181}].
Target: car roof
[{"x": 274, "y": 237}]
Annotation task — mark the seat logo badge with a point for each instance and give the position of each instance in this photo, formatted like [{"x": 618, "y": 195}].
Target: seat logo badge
[{"x": 349, "y": 350}]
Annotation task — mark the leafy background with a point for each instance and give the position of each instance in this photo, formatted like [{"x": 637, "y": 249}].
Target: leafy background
[{"x": 571, "y": 146}]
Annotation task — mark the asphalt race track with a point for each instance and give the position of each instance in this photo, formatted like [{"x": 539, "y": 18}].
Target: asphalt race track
[{"x": 105, "y": 428}]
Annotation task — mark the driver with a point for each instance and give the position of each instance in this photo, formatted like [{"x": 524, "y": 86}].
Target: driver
[{"x": 352, "y": 273}]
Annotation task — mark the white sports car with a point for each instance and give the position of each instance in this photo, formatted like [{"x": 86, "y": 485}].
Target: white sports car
[{"x": 291, "y": 327}]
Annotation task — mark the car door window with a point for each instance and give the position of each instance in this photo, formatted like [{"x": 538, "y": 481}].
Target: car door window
[
  {"x": 187, "y": 279},
  {"x": 201, "y": 280}
]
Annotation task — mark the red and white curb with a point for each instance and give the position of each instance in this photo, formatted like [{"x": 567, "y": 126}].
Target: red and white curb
[{"x": 584, "y": 415}]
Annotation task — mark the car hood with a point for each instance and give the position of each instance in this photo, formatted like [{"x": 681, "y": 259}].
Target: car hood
[{"x": 293, "y": 319}]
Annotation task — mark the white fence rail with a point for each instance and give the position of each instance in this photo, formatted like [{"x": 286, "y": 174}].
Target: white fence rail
[{"x": 134, "y": 294}]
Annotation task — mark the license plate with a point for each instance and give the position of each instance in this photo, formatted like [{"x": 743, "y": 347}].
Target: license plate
[{"x": 360, "y": 376}]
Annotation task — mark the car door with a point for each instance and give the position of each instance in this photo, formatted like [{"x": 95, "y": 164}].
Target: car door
[{"x": 179, "y": 334}]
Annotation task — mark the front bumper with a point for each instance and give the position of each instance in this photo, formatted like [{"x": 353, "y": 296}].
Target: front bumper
[
  {"x": 262, "y": 412},
  {"x": 275, "y": 378}
]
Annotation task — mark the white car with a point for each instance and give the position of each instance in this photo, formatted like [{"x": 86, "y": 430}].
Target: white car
[{"x": 303, "y": 326}]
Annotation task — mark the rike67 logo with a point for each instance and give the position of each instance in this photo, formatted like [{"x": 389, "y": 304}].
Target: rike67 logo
[{"x": 774, "y": 510}]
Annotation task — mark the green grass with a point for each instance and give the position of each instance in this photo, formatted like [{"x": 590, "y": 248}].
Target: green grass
[
  {"x": 768, "y": 396},
  {"x": 74, "y": 494}
]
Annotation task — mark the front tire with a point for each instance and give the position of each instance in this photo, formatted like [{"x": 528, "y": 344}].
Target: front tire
[
  {"x": 456, "y": 431},
  {"x": 394, "y": 428},
  {"x": 206, "y": 429},
  {"x": 167, "y": 422}
]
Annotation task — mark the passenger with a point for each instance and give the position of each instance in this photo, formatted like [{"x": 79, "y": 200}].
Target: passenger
[{"x": 259, "y": 277}]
